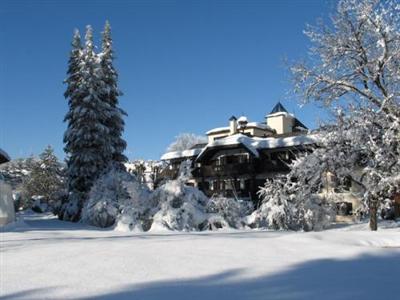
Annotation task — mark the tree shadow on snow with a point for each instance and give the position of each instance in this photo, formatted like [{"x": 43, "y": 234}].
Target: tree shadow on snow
[{"x": 365, "y": 277}]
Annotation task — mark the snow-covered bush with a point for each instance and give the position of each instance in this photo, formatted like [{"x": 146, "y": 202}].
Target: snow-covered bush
[
  {"x": 135, "y": 212},
  {"x": 315, "y": 213},
  {"x": 179, "y": 207},
  {"x": 276, "y": 210},
  {"x": 105, "y": 198},
  {"x": 227, "y": 212},
  {"x": 183, "y": 207},
  {"x": 118, "y": 198}
]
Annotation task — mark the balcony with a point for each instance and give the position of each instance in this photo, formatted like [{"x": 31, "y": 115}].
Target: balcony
[
  {"x": 169, "y": 173},
  {"x": 236, "y": 169},
  {"x": 224, "y": 170}
]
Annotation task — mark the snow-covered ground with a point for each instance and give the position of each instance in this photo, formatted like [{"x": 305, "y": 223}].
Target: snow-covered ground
[{"x": 43, "y": 258}]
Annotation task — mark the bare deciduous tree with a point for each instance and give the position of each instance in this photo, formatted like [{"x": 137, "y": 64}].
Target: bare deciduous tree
[{"x": 355, "y": 64}]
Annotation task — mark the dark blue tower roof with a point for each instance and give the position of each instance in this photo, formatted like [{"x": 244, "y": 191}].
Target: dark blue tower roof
[{"x": 278, "y": 108}]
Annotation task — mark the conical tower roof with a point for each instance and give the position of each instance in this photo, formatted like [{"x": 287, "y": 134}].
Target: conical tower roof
[{"x": 278, "y": 108}]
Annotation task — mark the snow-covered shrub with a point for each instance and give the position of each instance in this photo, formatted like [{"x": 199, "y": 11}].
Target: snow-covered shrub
[
  {"x": 135, "y": 211},
  {"x": 276, "y": 210},
  {"x": 315, "y": 213},
  {"x": 227, "y": 212},
  {"x": 281, "y": 210},
  {"x": 182, "y": 207},
  {"x": 179, "y": 207},
  {"x": 105, "y": 198},
  {"x": 293, "y": 201}
]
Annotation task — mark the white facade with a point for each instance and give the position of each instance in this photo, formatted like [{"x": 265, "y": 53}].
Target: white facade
[{"x": 7, "y": 212}]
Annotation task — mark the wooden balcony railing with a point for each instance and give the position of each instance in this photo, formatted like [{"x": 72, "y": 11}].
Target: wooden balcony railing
[{"x": 236, "y": 169}]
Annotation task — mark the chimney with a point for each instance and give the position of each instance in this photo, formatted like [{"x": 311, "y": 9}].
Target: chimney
[{"x": 232, "y": 125}]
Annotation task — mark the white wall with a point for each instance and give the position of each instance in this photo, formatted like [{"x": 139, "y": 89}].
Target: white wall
[{"x": 7, "y": 212}]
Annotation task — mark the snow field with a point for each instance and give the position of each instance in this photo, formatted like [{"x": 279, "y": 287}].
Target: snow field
[{"x": 43, "y": 258}]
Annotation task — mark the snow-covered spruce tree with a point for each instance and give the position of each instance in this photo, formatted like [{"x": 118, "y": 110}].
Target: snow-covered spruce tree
[
  {"x": 110, "y": 94},
  {"x": 87, "y": 138},
  {"x": 74, "y": 73},
  {"x": 46, "y": 178},
  {"x": 185, "y": 141},
  {"x": 355, "y": 64},
  {"x": 70, "y": 209}
]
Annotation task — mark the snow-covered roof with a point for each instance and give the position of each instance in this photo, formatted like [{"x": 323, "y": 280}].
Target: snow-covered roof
[
  {"x": 237, "y": 139},
  {"x": 4, "y": 154},
  {"x": 253, "y": 144},
  {"x": 259, "y": 125},
  {"x": 272, "y": 143},
  {"x": 218, "y": 129},
  {"x": 248, "y": 125},
  {"x": 181, "y": 154}
]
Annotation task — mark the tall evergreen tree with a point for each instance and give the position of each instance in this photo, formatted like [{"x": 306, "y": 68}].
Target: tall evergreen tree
[
  {"x": 87, "y": 139},
  {"x": 69, "y": 211},
  {"x": 110, "y": 94},
  {"x": 73, "y": 72}
]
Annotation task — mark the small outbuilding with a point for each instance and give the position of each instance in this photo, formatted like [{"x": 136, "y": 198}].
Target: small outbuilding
[{"x": 7, "y": 212}]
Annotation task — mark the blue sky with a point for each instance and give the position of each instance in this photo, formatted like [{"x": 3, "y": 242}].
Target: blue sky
[{"x": 184, "y": 66}]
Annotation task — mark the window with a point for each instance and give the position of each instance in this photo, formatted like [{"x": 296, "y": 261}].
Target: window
[
  {"x": 242, "y": 184},
  {"x": 222, "y": 185}
]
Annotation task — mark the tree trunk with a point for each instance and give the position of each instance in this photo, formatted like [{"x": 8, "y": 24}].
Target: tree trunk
[{"x": 373, "y": 217}]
